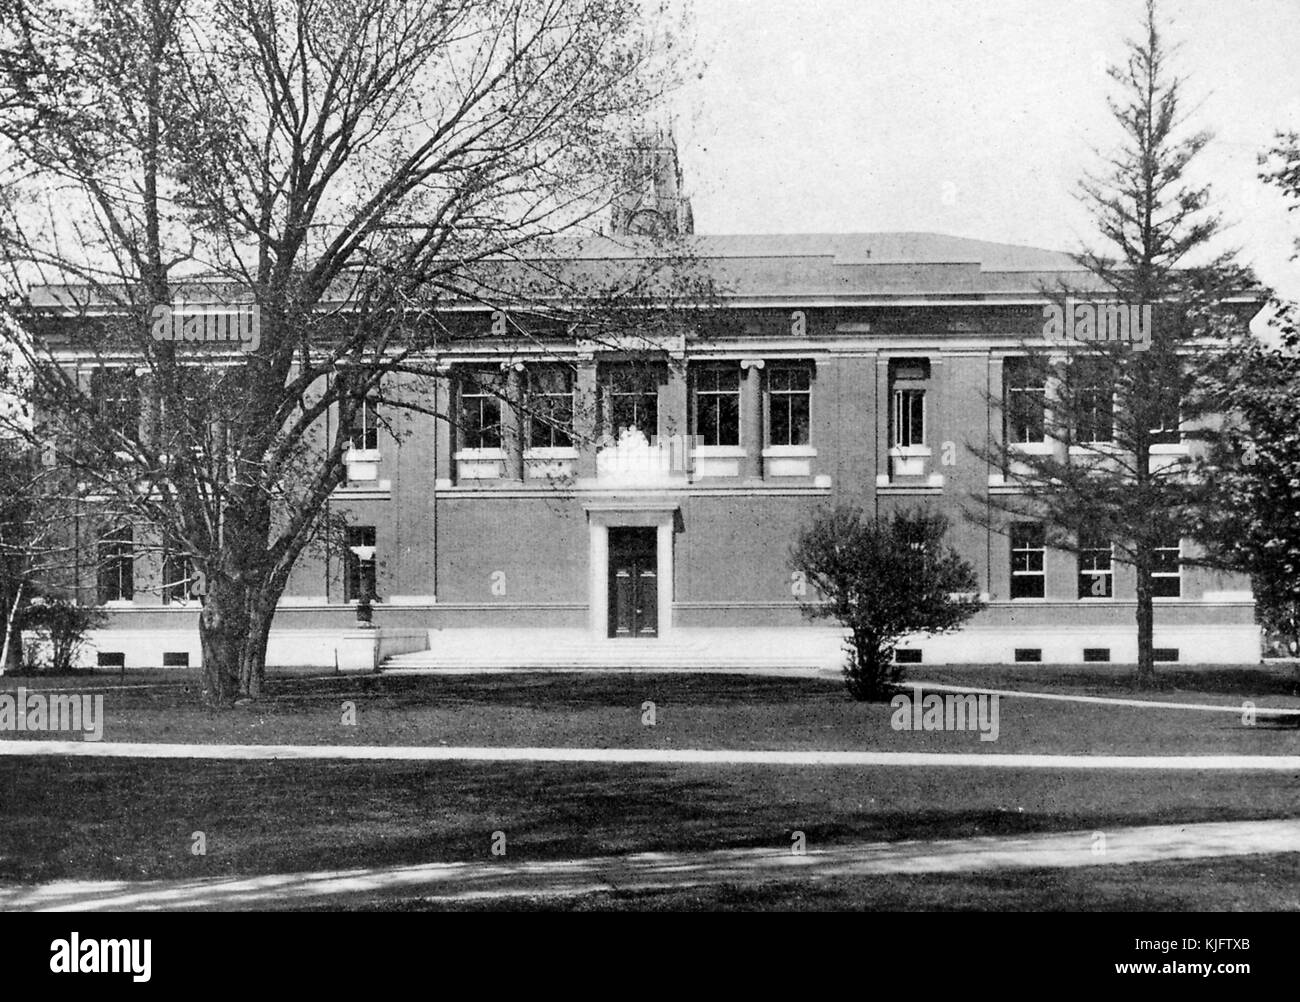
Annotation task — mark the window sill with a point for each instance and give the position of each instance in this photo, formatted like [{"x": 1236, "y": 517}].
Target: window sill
[
  {"x": 558, "y": 452},
  {"x": 361, "y": 456},
  {"x": 478, "y": 455},
  {"x": 720, "y": 451},
  {"x": 789, "y": 452},
  {"x": 911, "y": 451},
  {"x": 1170, "y": 449},
  {"x": 1032, "y": 448}
]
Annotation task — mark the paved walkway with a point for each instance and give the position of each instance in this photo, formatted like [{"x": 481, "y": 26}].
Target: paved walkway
[
  {"x": 646, "y": 756},
  {"x": 503, "y": 879}
]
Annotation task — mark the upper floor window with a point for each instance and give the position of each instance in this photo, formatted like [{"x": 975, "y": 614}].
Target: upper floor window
[
  {"x": 629, "y": 398},
  {"x": 116, "y": 395},
  {"x": 717, "y": 405},
  {"x": 1028, "y": 560},
  {"x": 116, "y": 558},
  {"x": 1094, "y": 401},
  {"x": 1025, "y": 387},
  {"x": 550, "y": 408},
  {"x": 907, "y": 421},
  {"x": 789, "y": 404},
  {"x": 363, "y": 434},
  {"x": 909, "y": 378},
  {"x": 359, "y": 568},
  {"x": 1166, "y": 417},
  {"x": 1096, "y": 567},
  {"x": 480, "y": 410},
  {"x": 1166, "y": 569}
]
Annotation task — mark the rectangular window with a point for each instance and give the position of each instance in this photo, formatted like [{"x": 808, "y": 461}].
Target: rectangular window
[
  {"x": 789, "y": 405},
  {"x": 1094, "y": 655},
  {"x": 1029, "y": 655},
  {"x": 717, "y": 405},
  {"x": 1094, "y": 401},
  {"x": 480, "y": 410},
  {"x": 364, "y": 432},
  {"x": 1166, "y": 570},
  {"x": 629, "y": 399},
  {"x": 1028, "y": 560},
  {"x": 1166, "y": 418},
  {"x": 1026, "y": 401},
  {"x": 1096, "y": 572},
  {"x": 178, "y": 577},
  {"x": 907, "y": 422},
  {"x": 116, "y": 395},
  {"x": 550, "y": 408},
  {"x": 359, "y": 568},
  {"x": 116, "y": 566}
]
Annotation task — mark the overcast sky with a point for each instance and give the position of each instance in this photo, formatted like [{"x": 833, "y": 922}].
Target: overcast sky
[{"x": 968, "y": 117}]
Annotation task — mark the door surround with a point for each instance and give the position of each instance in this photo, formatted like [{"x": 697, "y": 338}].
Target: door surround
[{"x": 656, "y": 513}]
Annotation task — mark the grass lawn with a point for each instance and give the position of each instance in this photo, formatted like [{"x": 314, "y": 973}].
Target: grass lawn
[
  {"x": 125, "y": 819},
  {"x": 86, "y": 818},
  {"x": 1251, "y": 883},
  {"x": 695, "y": 711}
]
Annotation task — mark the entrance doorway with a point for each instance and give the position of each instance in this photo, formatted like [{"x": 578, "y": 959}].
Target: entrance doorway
[{"x": 633, "y": 582}]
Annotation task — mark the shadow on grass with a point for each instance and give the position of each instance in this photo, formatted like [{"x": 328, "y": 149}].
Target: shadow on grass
[{"x": 122, "y": 819}]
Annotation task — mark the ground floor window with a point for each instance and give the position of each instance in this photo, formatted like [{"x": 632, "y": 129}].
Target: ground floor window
[
  {"x": 178, "y": 577},
  {"x": 1028, "y": 560},
  {"x": 359, "y": 563},
  {"x": 1166, "y": 570},
  {"x": 1096, "y": 567}
]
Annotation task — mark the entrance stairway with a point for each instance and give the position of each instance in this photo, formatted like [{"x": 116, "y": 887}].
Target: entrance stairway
[{"x": 807, "y": 648}]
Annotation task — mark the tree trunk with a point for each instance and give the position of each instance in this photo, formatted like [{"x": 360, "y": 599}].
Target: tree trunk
[
  {"x": 223, "y": 635},
  {"x": 252, "y": 664},
  {"x": 1146, "y": 674},
  {"x": 11, "y": 656}
]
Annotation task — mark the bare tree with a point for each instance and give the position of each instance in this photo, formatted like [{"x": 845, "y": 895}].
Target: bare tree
[{"x": 332, "y": 175}]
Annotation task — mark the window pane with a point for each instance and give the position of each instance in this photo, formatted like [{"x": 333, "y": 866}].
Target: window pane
[
  {"x": 480, "y": 410},
  {"x": 116, "y": 566},
  {"x": 1096, "y": 579},
  {"x": 359, "y": 575},
  {"x": 550, "y": 405},
  {"x": 1026, "y": 396},
  {"x": 717, "y": 406},
  {"x": 789, "y": 405},
  {"x": 1028, "y": 552}
]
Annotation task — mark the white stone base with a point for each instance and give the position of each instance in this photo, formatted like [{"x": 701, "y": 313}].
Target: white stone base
[
  {"x": 350, "y": 650},
  {"x": 1238, "y": 644}
]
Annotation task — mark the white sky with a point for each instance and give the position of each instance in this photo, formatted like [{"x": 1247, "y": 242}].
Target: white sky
[{"x": 968, "y": 117}]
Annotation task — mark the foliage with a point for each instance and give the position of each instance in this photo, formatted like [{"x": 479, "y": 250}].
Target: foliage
[
  {"x": 61, "y": 625},
  {"x": 1106, "y": 406},
  {"x": 883, "y": 581}
]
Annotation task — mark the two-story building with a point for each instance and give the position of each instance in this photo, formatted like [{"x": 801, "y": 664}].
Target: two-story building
[{"x": 637, "y": 489}]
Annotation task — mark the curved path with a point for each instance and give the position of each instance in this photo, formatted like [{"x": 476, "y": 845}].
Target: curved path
[{"x": 503, "y": 879}]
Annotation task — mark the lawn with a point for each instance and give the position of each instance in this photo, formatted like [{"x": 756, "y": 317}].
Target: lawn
[
  {"x": 75, "y": 817},
  {"x": 1249, "y": 883},
  {"x": 609, "y": 710},
  {"x": 125, "y": 819}
]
